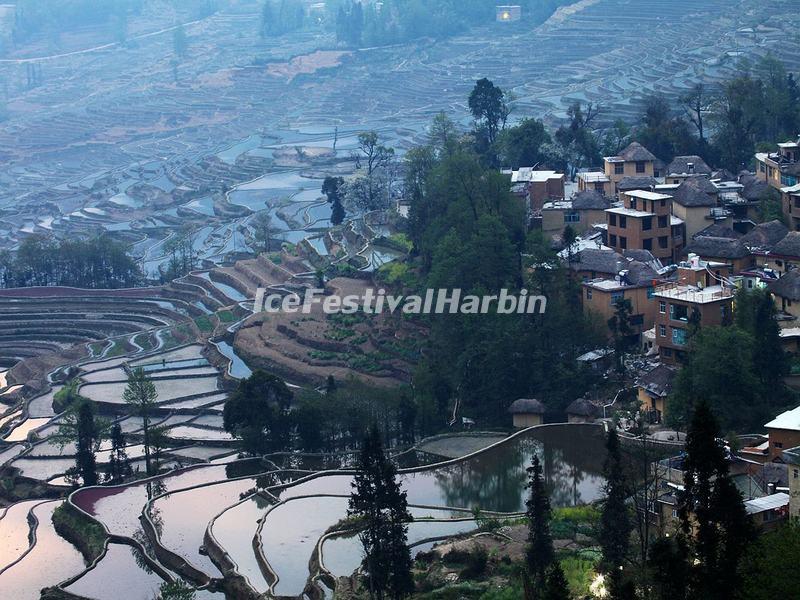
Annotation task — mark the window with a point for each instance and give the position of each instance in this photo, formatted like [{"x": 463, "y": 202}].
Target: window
[
  {"x": 612, "y": 219},
  {"x": 633, "y": 203},
  {"x": 599, "y": 186},
  {"x": 623, "y": 242},
  {"x": 616, "y": 297},
  {"x": 779, "y": 263},
  {"x": 662, "y": 221},
  {"x": 588, "y": 294},
  {"x": 662, "y": 307},
  {"x": 647, "y": 223},
  {"x": 650, "y": 292},
  {"x": 647, "y": 244},
  {"x": 678, "y": 336},
  {"x": 778, "y": 444},
  {"x": 674, "y": 513},
  {"x": 623, "y": 221},
  {"x": 762, "y": 167},
  {"x": 678, "y": 312},
  {"x": 667, "y": 352},
  {"x": 612, "y": 240},
  {"x": 662, "y": 330},
  {"x": 572, "y": 217},
  {"x": 663, "y": 202},
  {"x": 663, "y": 241},
  {"x": 640, "y": 166},
  {"x": 619, "y": 168}
]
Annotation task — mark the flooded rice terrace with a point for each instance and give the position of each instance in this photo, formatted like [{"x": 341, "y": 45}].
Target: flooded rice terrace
[{"x": 277, "y": 528}]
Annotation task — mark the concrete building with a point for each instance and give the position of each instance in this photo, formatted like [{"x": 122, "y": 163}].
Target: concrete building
[
  {"x": 635, "y": 283},
  {"x": 694, "y": 202},
  {"x": 633, "y": 161},
  {"x": 792, "y": 458},
  {"x": 784, "y": 432},
  {"x": 642, "y": 223},
  {"x": 782, "y": 168},
  {"x": 537, "y": 187},
  {"x": 652, "y": 390},
  {"x": 683, "y": 167},
  {"x": 680, "y": 307},
  {"x": 597, "y": 181},
  {"x": 790, "y": 203},
  {"x": 727, "y": 251},
  {"x": 586, "y": 209}
]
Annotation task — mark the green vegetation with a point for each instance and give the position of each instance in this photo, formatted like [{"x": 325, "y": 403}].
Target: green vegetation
[
  {"x": 257, "y": 413},
  {"x": 98, "y": 263},
  {"x": 226, "y": 316},
  {"x": 379, "y": 502},
  {"x": 67, "y": 396},
  {"x": 141, "y": 395},
  {"x": 767, "y": 563},
  {"x": 738, "y": 369},
  {"x": 87, "y": 535},
  {"x": 204, "y": 324}
]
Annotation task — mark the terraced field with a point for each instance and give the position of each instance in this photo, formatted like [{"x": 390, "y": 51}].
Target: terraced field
[{"x": 249, "y": 528}]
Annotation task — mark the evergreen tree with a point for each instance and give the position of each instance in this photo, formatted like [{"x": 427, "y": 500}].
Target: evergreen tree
[
  {"x": 668, "y": 563},
  {"x": 257, "y": 413},
  {"x": 711, "y": 511},
  {"x": 330, "y": 385},
  {"x": 88, "y": 437},
  {"x": 380, "y": 504},
  {"x": 556, "y": 587},
  {"x": 540, "y": 554},
  {"x": 141, "y": 394},
  {"x": 615, "y": 521},
  {"x": 118, "y": 465},
  {"x": 620, "y": 326}
]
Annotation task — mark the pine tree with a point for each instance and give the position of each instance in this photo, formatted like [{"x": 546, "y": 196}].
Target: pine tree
[
  {"x": 141, "y": 394},
  {"x": 556, "y": 587},
  {"x": 615, "y": 521},
  {"x": 378, "y": 501},
  {"x": 118, "y": 465},
  {"x": 87, "y": 444},
  {"x": 711, "y": 510},
  {"x": 540, "y": 553}
]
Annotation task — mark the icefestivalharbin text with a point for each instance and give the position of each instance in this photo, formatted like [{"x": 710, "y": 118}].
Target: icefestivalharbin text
[{"x": 441, "y": 301}]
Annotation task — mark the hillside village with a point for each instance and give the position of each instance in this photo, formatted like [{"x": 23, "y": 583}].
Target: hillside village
[{"x": 675, "y": 243}]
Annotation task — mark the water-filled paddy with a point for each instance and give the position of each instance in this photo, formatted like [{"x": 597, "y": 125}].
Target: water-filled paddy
[
  {"x": 168, "y": 389},
  {"x": 51, "y": 560},
  {"x": 21, "y": 431},
  {"x": 119, "y": 574},
  {"x": 15, "y": 531}
]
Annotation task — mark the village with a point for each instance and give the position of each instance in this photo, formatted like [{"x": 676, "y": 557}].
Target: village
[{"x": 675, "y": 242}]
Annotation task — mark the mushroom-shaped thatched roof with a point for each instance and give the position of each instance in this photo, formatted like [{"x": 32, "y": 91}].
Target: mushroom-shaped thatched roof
[
  {"x": 527, "y": 406},
  {"x": 582, "y": 408}
]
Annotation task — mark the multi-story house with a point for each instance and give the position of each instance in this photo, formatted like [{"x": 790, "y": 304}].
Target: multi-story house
[
  {"x": 644, "y": 222},
  {"x": 683, "y": 167},
  {"x": 681, "y": 307},
  {"x": 782, "y": 168},
  {"x": 586, "y": 208},
  {"x": 695, "y": 202},
  {"x": 790, "y": 200},
  {"x": 597, "y": 181},
  {"x": 633, "y": 161},
  {"x": 537, "y": 187}
]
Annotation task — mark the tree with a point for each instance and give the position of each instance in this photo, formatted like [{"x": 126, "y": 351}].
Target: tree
[
  {"x": 370, "y": 188},
  {"x": 696, "y": 103},
  {"x": 524, "y": 144},
  {"x": 118, "y": 465},
  {"x": 756, "y": 315},
  {"x": 88, "y": 439},
  {"x": 381, "y": 507},
  {"x": 767, "y": 563},
  {"x": 330, "y": 386},
  {"x": 263, "y": 230},
  {"x": 615, "y": 523},
  {"x": 711, "y": 512},
  {"x": 80, "y": 427},
  {"x": 332, "y": 188},
  {"x": 176, "y": 590},
  {"x": 578, "y": 144},
  {"x": 141, "y": 394},
  {"x": 540, "y": 554},
  {"x": 180, "y": 44},
  {"x": 719, "y": 370},
  {"x": 621, "y": 329},
  {"x": 668, "y": 563},
  {"x": 556, "y": 587},
  {"x": 489, "y": 107},
  {"x": 256, "y": 413}
]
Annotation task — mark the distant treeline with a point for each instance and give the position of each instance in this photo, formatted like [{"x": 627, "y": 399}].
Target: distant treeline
[
  {"x": 34, "y": 17},
  {"x": 402, "y": 20},
  {"x": 98, "y": 263}
]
